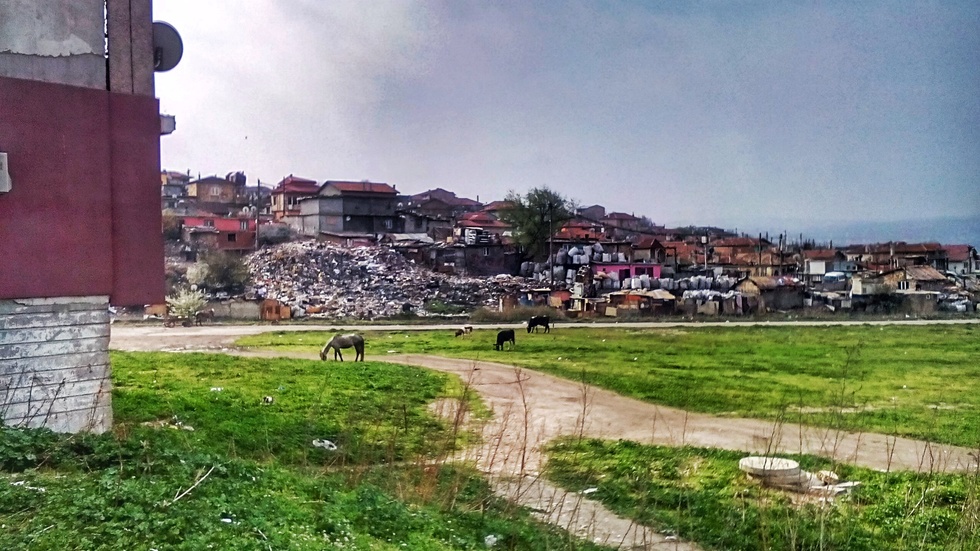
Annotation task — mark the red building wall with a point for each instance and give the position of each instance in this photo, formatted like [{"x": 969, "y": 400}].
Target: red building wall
[{"x": 83, "y": 217}]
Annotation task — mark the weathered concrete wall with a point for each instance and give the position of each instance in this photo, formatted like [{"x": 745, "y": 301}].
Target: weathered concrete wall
[
  {"x": 54, "y": 363},
  {"x": 58, "y": 42}
]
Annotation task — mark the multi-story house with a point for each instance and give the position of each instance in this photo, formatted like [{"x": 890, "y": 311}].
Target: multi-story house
[
  {"x": 285, "y": 197},
  {"x": 221, "y": 196},
  {"x": 173, "y": 188},
  {"x": 349, "y": 212}
]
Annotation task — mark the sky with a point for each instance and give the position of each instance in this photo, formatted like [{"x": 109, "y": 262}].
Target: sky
[{"x": 717, "y": 112}]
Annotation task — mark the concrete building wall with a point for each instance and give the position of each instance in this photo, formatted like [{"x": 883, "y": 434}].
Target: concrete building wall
[
  {"x": 81, "y": 223},
  {"x": 54, "y": 363},
  {"x": 58, "y": 42}
]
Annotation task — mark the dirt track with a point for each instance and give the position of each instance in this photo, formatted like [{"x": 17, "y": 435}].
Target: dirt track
[{"x": 531, "y": 408}]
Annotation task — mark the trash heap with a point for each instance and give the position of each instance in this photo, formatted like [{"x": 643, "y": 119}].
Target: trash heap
[{"x": 326, "y": 281}]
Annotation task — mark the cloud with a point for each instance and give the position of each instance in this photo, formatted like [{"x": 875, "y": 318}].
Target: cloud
[{"x": 709, "y": 112}]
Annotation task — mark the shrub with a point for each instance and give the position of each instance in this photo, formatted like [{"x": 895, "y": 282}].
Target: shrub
[{"x": 521, "y": 313}]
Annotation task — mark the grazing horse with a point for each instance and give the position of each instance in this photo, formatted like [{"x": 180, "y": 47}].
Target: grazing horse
[
  {"x": 539, "y": 321},
  {"x": 344, "y": 341},
  {"x": 204, "y": 316},
  {"x": 507, "y": 335}
]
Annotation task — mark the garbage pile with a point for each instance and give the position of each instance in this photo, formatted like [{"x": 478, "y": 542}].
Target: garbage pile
[{"x": 326, "y": 281}]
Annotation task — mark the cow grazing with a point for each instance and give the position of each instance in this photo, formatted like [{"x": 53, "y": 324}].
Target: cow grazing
[
  {"x": 539, "y": 321},
  {"x": 507, "y": 335},
  {"x": 460, "y": 332}
]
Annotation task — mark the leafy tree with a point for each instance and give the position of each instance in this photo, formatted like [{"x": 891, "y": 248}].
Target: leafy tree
[
  {"x": 171, "y": 226},
  {"x": 535, "y": 217},
  {"x": 224, "y": 272}
]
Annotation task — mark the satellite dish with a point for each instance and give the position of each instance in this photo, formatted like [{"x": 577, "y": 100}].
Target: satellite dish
[{"x": 167, "y": 47}]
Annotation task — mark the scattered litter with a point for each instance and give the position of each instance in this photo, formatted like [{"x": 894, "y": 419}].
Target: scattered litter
[
  {"x": 268, "y": 400},
  {"x": 216, "y": 389},
  {"x": 325, "y": 444},
  {"x": 588, "y": 491},
  {"x": 490, "y": 540},
  {"x": 23, "y": 484},
  {"x": 226, "y": 520}
]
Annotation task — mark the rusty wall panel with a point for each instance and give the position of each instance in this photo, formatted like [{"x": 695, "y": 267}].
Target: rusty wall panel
[
  {"x": 137, "y": 238},
  {"x": 54, "y": 363},
  {"x": 55, "y": 223}
]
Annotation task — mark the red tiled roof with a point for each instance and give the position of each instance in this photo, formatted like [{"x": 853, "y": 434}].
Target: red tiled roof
[
  {"x": 820, "y": 254},
  {"x": 361, "y": 187},
  {"x": 959, "y": 253},
  {"x": 294, "y": 184},
  {"x": 735, "y": 242},
  {"x": 498, "y": 205}
]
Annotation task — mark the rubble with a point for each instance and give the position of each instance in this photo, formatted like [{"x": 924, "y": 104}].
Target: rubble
[
  {"x": 321, "y": 280},
  {"x": 785, "y": 474}
]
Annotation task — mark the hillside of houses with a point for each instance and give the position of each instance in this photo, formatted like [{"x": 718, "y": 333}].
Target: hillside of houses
[{"x": 599, "y": 263}]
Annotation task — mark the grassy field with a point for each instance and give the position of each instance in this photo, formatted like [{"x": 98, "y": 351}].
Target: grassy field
[
  {"x": 199, "y": 460},
  {"x": 700, "y": 495},
  {"x": 916, "y": 381}
]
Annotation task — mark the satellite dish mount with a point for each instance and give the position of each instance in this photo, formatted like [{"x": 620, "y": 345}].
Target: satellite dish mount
[{"x": 168, "y": 48}]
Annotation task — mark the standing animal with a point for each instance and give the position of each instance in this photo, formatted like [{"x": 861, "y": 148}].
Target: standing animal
[
  {"x": 507, "y": 335},
  {"x": 464, "y": 330},
  {"x": 204, "y": 316},
  {"x": 539, "y": 321},
  {"x": 344, "y": 341}
]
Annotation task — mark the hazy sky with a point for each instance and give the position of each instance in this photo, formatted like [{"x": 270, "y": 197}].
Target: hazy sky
[{"x": 724, "y": 112}]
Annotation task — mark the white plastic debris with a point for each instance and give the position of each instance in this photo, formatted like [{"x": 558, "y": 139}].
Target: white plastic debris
[{"x": 325, "y": 444}]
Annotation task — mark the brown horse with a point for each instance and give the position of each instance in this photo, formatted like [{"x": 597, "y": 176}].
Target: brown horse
[
  {"x": 344, "y": 341},
  {"x": 204, "y": 316}
]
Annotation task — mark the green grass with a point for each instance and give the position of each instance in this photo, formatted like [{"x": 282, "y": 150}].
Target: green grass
[
  {"x": 915, "y": 381},
  {"x": 700, "y": 495},
  {"x": 247, "y": 476}
]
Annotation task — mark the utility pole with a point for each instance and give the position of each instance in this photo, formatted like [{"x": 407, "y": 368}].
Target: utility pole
[{"x": 551, "y": 217}]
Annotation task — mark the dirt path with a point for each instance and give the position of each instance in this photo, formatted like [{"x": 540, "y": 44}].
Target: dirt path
[{"x": 532, "y": 408}]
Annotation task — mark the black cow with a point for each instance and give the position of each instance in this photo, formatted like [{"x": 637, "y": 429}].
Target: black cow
[
  {"x": 539, "y": 321},
  {"x": 505, "y": 336}
]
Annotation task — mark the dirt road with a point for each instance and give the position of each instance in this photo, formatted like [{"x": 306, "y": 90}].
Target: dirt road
[{"x": 531, "y": 409}]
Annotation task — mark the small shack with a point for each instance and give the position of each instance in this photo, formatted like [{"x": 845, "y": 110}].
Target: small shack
[
  {"x": 655, "y": 302},
  {"x": 273, "y": 310},
  {"x": 774, "y": 293}
]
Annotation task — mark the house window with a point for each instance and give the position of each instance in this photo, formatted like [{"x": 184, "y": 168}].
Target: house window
[
  {"x": 486, "y": 251},
  {"x": 215, "y": 191},
  {"x": 232, "y": 237},
  {"x": 903, "y": 285},
  {"x": 209, "y": 223},
  {"x": 388, "y": 224},
  {"x": 243, "y": 225}
]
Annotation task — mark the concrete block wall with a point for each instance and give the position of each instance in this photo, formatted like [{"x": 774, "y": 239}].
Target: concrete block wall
[{"x": 54, "y": 363}]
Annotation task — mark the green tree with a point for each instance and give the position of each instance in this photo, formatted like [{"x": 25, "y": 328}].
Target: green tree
[
  {"x": 171, "y": 226},
  {"x": 535, "y": 217},
  {"x": 224, "y": 272}
]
